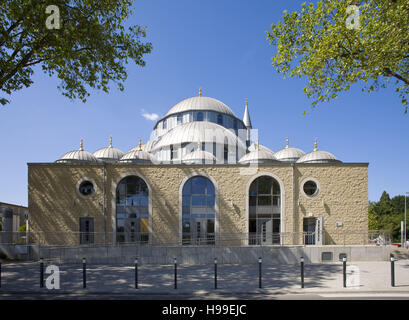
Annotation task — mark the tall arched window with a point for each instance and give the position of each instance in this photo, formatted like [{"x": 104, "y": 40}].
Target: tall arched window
[
  {"x": 264, "y": 211},
  {"x": 132, "y": 210},
  {"x": 198, "y": 211}
]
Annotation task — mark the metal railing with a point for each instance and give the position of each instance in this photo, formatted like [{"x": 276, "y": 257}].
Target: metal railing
[{"x": 211, "y": 239}]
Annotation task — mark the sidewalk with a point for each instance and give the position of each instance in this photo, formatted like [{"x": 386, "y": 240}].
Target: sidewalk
[{"x": 362, "y": 277}]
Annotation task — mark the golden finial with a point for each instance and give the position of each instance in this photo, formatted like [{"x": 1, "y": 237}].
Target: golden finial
[
  {"x": 200, "y": 92},
  {"x": 110, "y": 141},
  {"x": 286, "y": 145},
  {"x": 81, "y": 146},
  {"x": 315, "y": 145},
  {"x": 140, "y": 144},
  {"x": 246, "y": 102}
]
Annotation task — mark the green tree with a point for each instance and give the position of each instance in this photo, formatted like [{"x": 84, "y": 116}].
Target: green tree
[
  {"x": 89, "y": 50},
  {"x": 387, "y": 214},
  {"x": 336, "y": 45}
]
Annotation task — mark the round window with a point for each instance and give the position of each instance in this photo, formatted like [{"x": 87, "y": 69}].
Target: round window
[
  {"x": 310, "y": 188},
  {"x": 86, "y": 188}
]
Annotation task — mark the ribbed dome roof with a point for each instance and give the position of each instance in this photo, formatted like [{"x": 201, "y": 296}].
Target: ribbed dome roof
[
  {"x": 199, "y": 157},
  {"x": 137, "y": 155},
  {"x": 253, "y": 147},
  {"x": 318, "y": 157},
  {"x": 289, "y": 154},
  {"x": 109, "y": 154},
  {"x": 258, "y": 156},
  {"x": 200, "y": 103},
  {"x": 192, "y": 132},
  {"x": 78, "y": 156}
]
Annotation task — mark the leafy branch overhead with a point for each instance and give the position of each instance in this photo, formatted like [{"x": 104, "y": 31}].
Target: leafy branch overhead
[
  {"x": 89, "y": 50},
  {"x": 334, "y": 46}
]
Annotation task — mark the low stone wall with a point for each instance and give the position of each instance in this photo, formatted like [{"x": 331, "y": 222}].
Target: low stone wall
[{"x": 206, "y": 255}]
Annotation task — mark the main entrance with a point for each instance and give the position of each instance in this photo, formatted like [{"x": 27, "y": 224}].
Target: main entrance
[
  {"x": 264, "y": 211},
  {"x": 198, "y": 212},
  {"x": 132, "y": 210}
]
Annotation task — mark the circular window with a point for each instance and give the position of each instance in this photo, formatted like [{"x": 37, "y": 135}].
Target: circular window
[
  {"x": 86, "y": 188},
  {"x": 310, "y": 188}
]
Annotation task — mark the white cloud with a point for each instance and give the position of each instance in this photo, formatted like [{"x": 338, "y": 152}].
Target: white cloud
[{"x": 149, "y": 116}]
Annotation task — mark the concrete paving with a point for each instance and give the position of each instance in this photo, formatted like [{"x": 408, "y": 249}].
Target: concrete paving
[{"x": 324, "y": 280}]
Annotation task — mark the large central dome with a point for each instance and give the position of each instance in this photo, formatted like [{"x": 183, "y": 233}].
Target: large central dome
[{"x": 200, "y": 103}]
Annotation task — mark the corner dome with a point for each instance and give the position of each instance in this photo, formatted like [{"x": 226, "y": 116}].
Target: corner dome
[
  {"x": 318, "y": 157},
  {"x": 289, "y": 154},
  {"x": 137, "y": 156},
  {"x": 200, "y": 103},
  {"x": 258, "y": 156},
  {"x": 199, "y": 157},
  {"x": 78, "y": 156},
  {"x": 108, "y": 154},
  {"x": 253, "y": 147}
]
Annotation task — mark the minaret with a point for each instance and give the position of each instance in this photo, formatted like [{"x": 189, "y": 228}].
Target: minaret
[{"x": 247, "y": 123}]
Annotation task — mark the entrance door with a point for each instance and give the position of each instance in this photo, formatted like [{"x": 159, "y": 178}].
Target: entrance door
[
  {"x": 265, "y": 230},
  {"x": 309, "y": 228},
  {"x": 130, "y": 230},
  {"x": 86, "y": 230},
  {"x": 200, "y": 231}
]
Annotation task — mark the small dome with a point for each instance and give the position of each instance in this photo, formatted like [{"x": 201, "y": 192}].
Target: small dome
[
  {"x": 258, "y": 156},
  {"x": 109, "y": 154},
  {"x": 78, "y": 156},
  {"x": 253, "y": 147},
  {"x": 318, "y": 157},
  {"x": 200, "y": 103},
  {"x": 289, "y": 154},
  {"x": 137, "y": 156},
  {"x": 199, "y": 157}
]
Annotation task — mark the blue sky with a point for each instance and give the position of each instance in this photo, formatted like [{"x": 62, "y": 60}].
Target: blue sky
[{"x": 220, "y": 46}]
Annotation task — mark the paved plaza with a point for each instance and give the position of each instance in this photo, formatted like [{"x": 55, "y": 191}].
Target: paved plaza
[{"x": 21, "y": 280}]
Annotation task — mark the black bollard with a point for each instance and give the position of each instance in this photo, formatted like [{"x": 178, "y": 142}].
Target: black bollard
[
  {"x": 84, "y": 273},
  {"x": 215, "y": 273},
  {"x": 41, "y": 273},
  {"x": 344, "y": 269},
  {"x": 176, "y": 273},
  {"x": 0, "y": 273},
  {"x": 302, "y": 272},
  {"x": 136, "y": 273},
  {"x": 392, "y": 271},
  {"x": 259, "y": 272}
]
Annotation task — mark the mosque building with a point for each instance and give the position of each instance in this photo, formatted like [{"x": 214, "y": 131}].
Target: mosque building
[{"x": 201, "y": 179}]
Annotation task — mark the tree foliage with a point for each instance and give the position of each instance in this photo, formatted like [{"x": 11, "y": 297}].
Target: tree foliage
[
  {"x": 335, "y": 47},
  {"x": 387, "y": 214},
  {"x": 89, "y": 50}
]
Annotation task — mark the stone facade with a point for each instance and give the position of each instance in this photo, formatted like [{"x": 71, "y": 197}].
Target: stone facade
[{"x": 56, "y": 206}]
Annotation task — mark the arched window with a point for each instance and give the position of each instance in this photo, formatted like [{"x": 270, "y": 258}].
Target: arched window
[
  {"x": 198, "y": 211},
  {"x": 226, "y": 150},
  {"x": 180, "y": 118},
  {"x": 264, "y": 211},
  {"x": 220, "y": 119},
  {"x": 199, "y": 116},
  {"x": 132, "y": 210}
]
